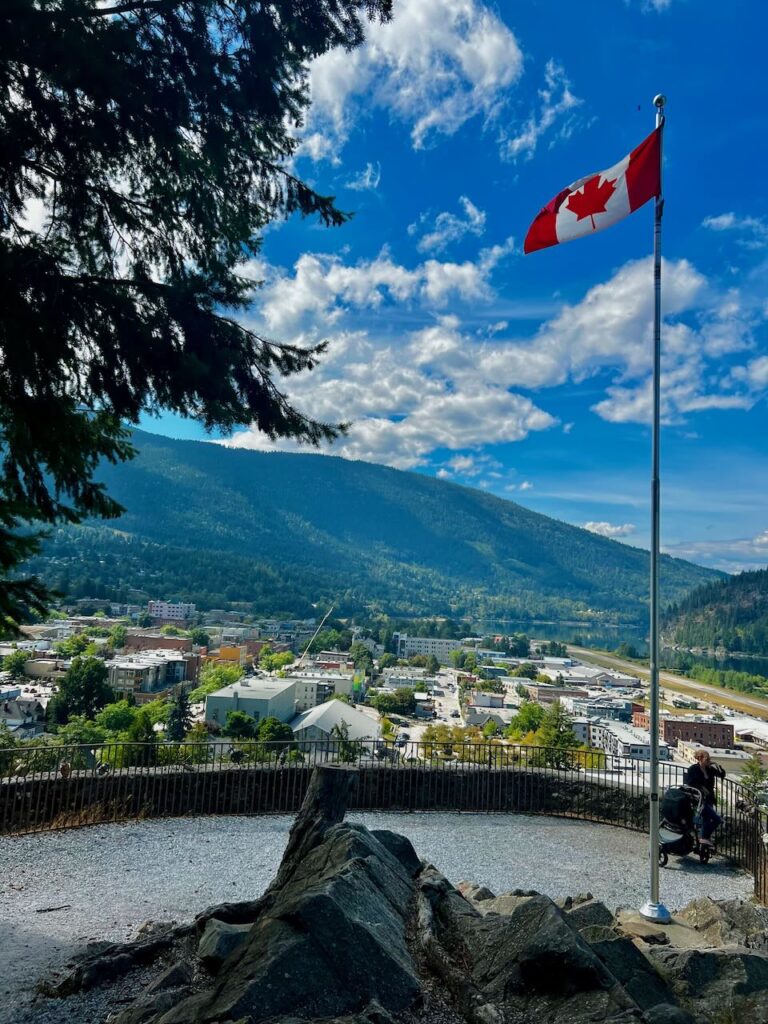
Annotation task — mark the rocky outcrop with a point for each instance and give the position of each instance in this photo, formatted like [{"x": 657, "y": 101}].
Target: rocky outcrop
[
  {"x": 355, "y": 929},
  {"x": 728, "y": 922},
  {"x": 722, "y": 986}
]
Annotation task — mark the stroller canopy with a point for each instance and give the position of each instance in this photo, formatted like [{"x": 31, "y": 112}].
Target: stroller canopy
[{"x": 677, "y": 807}]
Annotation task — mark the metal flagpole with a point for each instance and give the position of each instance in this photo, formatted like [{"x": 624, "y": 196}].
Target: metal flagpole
[{"x": 654, "y": 909}]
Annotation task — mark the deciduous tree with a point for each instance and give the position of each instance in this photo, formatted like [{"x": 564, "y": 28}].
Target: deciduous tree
[
  {"x": 83, "y": 691},
  {"x": 14, "y": 663}
]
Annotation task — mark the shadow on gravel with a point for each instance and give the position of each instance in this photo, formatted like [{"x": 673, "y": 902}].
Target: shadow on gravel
[{"x": 693, "y": 866}]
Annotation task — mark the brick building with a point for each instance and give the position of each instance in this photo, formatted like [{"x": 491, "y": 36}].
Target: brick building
[
  {"x": 689, "y": 730},
  {"x": 157, "y": 642}
]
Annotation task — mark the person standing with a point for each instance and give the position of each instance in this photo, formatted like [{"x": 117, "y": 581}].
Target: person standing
[{"x": 701, "y": 775}]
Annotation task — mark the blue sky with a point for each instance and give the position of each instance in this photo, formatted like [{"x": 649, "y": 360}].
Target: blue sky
[{"x": 528, "y": 376}]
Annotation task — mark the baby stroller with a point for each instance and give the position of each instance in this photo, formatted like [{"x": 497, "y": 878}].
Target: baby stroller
[{"x": 678, "y": 829}]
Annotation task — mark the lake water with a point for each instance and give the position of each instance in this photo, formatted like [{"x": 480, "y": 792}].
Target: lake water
[{"x": 608, "y": 638}]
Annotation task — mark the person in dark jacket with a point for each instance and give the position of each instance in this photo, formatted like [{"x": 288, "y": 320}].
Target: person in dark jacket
[{"x": 701, "y": 775}]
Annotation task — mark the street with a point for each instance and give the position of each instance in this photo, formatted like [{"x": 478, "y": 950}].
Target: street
[{"x": 676, "y": 684}]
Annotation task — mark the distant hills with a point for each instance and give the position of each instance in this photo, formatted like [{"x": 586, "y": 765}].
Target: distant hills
[
  {"x": 730, "y": 613},
  {"x": 279, "y": 533}
]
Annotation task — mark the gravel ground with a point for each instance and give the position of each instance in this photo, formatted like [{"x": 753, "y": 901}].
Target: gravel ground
[{"x": 109, "y": 879}]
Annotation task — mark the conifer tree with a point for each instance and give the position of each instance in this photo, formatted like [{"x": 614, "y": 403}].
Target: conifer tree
[
  {"x": 556, "y": 735},
  {"x": 144, "y": 147},
  {"x": 179, "y": 717}
]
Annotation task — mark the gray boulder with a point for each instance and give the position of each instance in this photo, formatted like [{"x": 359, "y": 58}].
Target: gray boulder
[
  {"x": 589, "y": 912},
  {"x": 331, "y": 941},
  {"x": 634, "y": 972},
  {"x": 401, "y": 849},
  {"x": 728, "y": 922},
  {"x": 148, "y": 1006},
  {"x": 474, "y": 892},
  {"x": 526, "y": 964},
  {"x": 219, "y": 940},
  {"x": 665, "y": 1013},
  {"x": 178, "y": 975},
  {"x": 717, "y": 985}
]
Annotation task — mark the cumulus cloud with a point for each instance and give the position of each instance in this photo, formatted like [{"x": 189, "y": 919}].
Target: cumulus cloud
[
  {"x": 555, "y": 109},
  {"x": 402, "y": 366},
  {"x": 449, "y": 227},
  {"x": 410, "y": 393},
  {"x": 752, "y": 232},
  {"x": 439, "y": 418},
  {"x": 606, "y": 529},
  {"x": 610, "y": 329},
  {"x": 435, "y": 66},
  {"x": 322, "y": 286}
]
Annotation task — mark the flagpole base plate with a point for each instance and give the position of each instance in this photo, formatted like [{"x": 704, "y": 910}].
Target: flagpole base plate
[{"x": 656, "y": 912}]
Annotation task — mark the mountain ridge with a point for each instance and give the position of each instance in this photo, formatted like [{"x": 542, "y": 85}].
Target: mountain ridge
[
  {"x": 730, "y": 613},
  {"x": 369, "y": 535}
]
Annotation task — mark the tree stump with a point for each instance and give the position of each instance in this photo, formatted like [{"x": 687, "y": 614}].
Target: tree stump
[{"x": 325, "y": 804}]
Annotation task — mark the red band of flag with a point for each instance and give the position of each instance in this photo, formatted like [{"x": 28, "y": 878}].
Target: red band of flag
[{"x": 599, "y": 200}]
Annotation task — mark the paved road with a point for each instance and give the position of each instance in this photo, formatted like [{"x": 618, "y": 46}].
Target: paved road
[
  {"x": 671, "y": 681},
  {"x": 445, "y": 704}
]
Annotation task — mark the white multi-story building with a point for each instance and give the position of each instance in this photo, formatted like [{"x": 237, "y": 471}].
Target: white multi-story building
[
  {"x": 620, "y": 740},
  {"x": 179, "y": 611},
  {"x": 412, "y": 678},
  {"x": 406, "y": 646},
  {"x": 321, "y": 683}
]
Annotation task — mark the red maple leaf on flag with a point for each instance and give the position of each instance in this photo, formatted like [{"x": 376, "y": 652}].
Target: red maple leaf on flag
[{"x": 591, "y": 198}]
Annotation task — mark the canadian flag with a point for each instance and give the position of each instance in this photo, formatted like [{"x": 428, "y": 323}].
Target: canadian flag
[{"x": 599, "y": 200}]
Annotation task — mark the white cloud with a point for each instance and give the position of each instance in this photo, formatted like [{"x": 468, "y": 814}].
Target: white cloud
[
  {"x": 322, "y": 286},
  {"x": 754, "y": 373},
  {"x": 752, "y": 231},
  {"x": 413, "y": 380},
  {"x": 367, "y": 180},
  {"x": 435, "y": 66},
  {"x": 470, "y": 466},
  {"x": 438, "y": 418},
  {"x": 728, "y": 555},
  {"x": 610, "y": 329},
  {"x": 526, "y": 485},
  {"x": 606, "y": 529},
  {"x": 557, "y": 104},
  {"x": 449, "y": 227},
  {"x": 465, "y": 465}
]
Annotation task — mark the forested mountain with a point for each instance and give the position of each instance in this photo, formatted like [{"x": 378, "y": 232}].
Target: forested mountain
[
  {"x": 730, "y": 613},
  {"x": 282, "y": 532}
]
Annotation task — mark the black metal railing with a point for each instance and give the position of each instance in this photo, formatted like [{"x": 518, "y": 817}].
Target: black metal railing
[{"x": 54, "y": 786}]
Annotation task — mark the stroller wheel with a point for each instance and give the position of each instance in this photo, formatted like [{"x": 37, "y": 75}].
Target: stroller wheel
[
  {"x": 705, "y": 852},
  {"x": 663, "y": 857}
]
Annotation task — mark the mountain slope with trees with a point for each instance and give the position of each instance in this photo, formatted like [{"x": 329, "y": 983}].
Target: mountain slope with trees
[
  {"x": 282, "y": 532},
  {"x": 730, "y": 613}
]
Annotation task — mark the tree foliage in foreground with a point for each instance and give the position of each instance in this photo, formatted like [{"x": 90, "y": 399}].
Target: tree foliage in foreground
[
  {"x": 144, "y": 147},
  {"x": 83, "y": 690}
]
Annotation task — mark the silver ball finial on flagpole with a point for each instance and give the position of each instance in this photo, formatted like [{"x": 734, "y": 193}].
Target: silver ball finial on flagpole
[{"x": 659, "y": 100}]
